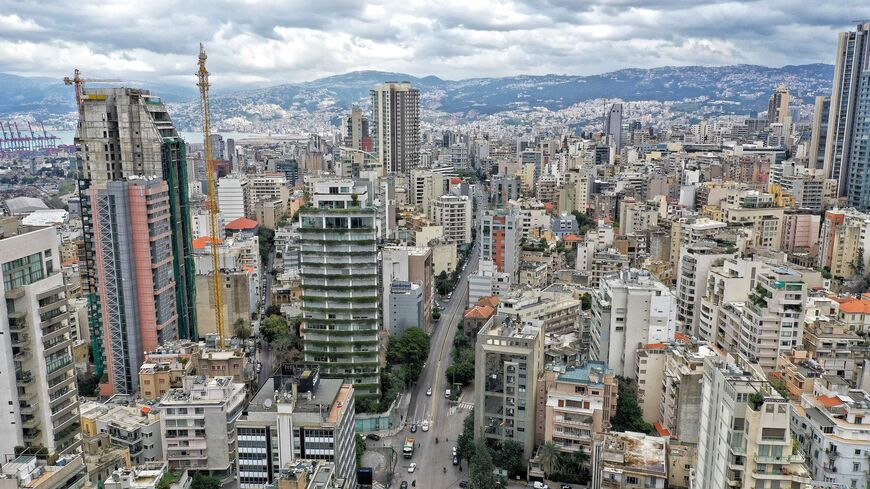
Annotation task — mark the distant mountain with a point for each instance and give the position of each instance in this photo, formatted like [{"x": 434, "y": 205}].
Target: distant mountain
[
  {"x": 43, "y": 96},
  {"x": 742, "y": 87}
]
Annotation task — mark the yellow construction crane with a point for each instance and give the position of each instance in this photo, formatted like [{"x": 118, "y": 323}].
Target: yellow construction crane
[{"x": 217, "y": 284}]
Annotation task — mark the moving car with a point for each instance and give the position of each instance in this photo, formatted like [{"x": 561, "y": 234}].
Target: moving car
[
  {"x": 429, "y": 391},
  {"x": 540, "y": 485},
  {"x": 404, "y": 485},
  {"x": 372, "y": 436},
  {"x": 425, "y": 425},
  {"x": 413, "y": 427},
  {"x": 412, "y": 467},
  {"x": 566, "y": 486}
]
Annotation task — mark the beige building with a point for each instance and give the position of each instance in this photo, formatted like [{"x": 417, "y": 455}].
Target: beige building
[
  {"x": 164, "y": 368},
  {"x": 575, "y": 403},
  {"x": 24, "y": 472},
  {"x": 681, "y": 461},
  {"x": 453, "y": 213}
]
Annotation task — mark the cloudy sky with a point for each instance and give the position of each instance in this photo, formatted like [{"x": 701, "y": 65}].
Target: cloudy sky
[{"x": 262, "y": 42}]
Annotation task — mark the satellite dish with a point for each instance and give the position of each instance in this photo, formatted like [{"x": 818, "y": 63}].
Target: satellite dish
[{"x": 267, "y": 403}]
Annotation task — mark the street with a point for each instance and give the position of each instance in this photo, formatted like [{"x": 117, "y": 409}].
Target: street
[{"x": 445, "y": 421}]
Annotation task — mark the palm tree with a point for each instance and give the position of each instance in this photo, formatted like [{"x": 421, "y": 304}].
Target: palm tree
[{"x": 549, "y": 456}]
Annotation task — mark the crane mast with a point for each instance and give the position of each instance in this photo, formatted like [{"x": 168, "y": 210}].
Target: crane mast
[{"x": 217, "y": 282}]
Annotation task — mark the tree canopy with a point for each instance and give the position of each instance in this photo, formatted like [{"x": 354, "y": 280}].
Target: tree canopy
[
  {"x": 409, "y": 351},
  {"x": 629, "y": 416},
  {"x": 274, "y": 326}
]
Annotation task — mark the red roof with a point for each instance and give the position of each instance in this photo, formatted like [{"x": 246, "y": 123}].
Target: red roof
[
  {"x": 829, "y": 401},
  {"x": 661, "y": 430},
  {"x": 854, "y": 305},
  {"x": 201, "y": 242},
  {"x": 455, "y": 180},
  {"x": 479, "y": 312},
  {"x": 242, "y": 223},
  {"x": 491, "y": 301}
]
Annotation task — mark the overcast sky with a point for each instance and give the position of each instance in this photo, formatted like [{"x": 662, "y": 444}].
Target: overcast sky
[{"x": 262, "y": 42}]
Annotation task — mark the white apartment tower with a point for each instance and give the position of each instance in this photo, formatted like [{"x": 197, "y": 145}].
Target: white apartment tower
[
  {"x": 38, "y": 381},
  {"x": 453, "y": 213}
]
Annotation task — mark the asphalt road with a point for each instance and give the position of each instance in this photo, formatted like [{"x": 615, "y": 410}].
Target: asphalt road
[{"x": 445, "y": 421}]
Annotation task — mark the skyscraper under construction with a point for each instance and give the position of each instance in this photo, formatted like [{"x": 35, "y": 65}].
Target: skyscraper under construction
[{"x": 125, "y": 133}]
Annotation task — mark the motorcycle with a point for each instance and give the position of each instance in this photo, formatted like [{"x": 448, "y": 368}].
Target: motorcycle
[{"x": 436, "y": 440}]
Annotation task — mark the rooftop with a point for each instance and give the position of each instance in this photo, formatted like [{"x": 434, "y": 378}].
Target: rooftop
[
  {"x": 242, "y": 223},
  {"x": 635, "y": 451},
  {"x": 590, "y": 372}
]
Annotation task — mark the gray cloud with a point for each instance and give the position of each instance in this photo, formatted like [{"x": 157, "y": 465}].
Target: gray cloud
[{"x": 261, "y": 42}]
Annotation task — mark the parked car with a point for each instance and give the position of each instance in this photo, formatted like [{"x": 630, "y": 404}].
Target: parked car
[
  {"x": 373, "y": 437},
  {"x": 425, "y": 425},
  {"x": 462, "y": 484},
  {"x": 455, "y": 459},
  {"x": 413, "y": 427},
  {"x": 540, "y": 485},
  {"x": 566, "y": 486},
  {"x": 404, "y": 485},
  {"x": 429, "y": 391}
]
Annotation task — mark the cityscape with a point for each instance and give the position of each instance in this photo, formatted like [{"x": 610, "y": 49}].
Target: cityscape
[{"x": 296, "y": 270}]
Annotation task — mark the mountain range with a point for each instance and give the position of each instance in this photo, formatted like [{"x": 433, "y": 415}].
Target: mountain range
[{"x": 745, "y": 86}]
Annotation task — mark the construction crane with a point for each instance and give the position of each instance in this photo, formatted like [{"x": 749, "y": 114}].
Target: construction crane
[
  {"x": 79, "y": 83},
  {"x": 217, "y": 284}
]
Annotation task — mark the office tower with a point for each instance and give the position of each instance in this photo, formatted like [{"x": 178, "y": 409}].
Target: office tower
[
  {"x": 198, "y": 423},
  {"x": 509, "y": 358},
  {"x": 290, "y": 168},
  {"x": 850, "y": 97},
  {"x": 339, "y": 262},
  {"x": 217, "y": 147},
  {"x": 819, "y": 137},
  {"x": 453, "y": 213},
  {"x": 137, "y": 286},
  {"x": 296, "y": 415},
  {"x": 396, "y": 126},
  {"x": 38, "y": 386},
  {"x": 777, "y": 106},
  {"x": 231, "y": 153},
  {"x": 234, "y": 198},
  {"x": 630, "y": 309},
  {"x": 122, "y": 133},
  {"x": 613, "y": 126},
  {"x": 745, "y": 431}
]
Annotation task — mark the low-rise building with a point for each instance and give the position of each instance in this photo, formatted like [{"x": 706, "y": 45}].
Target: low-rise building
[
  {"x": 25, "y": 472},
  {"x": 135, "y": 428},
  {"x": 151, "y": 475},
  {"x": 630, "y": 460}
]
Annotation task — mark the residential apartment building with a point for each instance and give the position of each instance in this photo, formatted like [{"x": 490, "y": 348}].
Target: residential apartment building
[
  {"x": 25, "y": 471},
  {"x": 845, "y": 236},
  {"x": 726, "y": 284},
  {"x": 395, "y": 127},
  {"x": 339, "y": 263},
  {"x": 234, "y": 198},
  {"x": 831, "y": 429},
  {"x": 509, "y": 357},
  {"x": 773, "y": 318},
  {"x": 135, "y": 428},
  {"x": 137, "y": 283},
  {"x": 412, "y": 265},
  {"x": 500, "y": 236},
  {"x": 295, "y": 416},
  {"x": 696, "y": 261},
  {"x": 574, "y": 403},
  {"x": 124, "y": 133},
  {"x": 453, "y": 214},
  {"x": 630, "y": 461},
  {"x": 268, "y": 187},
  {"x": 38, "y": 386},
  {"x": 745, "y": 431},
  {"x": 629, "y": 310},
  {"x": 198, "y": 424}
]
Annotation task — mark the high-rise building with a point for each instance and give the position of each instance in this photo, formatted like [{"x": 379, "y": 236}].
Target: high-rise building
[
  {"x": 396, "y": 126},
  {"x": 745, "y": 431},
  {"x": 509, "y": 358},
  {"x": 777, "y": 106},
  {"x": 339, "y": 262},
  {"x": 819, "y": 138},
  {"x": 38, "y": 386},
  {"x": 848, "y": 130},
  {"x": 409, "y": 266},
  {"x": 356, "y": 127},
  {"x": 695, "y": 263},
  {"x": 613, "y": 126},
  {"x": 500, "y": 241},
  {"x": 122, "y": 133},
  {"x": 137, "y": 286},
  {"x": 234, "y": 198}
]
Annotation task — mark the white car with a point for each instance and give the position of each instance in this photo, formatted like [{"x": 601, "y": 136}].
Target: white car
[
  {"x": 540, "y": 485},
  {"x": 425, "y": 425},
  {"x": 429, "y": 391},
  {"x": 412, "y": 467},
  {"x": 454, "y": 451}
]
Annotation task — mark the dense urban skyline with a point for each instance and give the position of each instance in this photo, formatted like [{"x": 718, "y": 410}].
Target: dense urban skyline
[{"x": 265, "y": 43}]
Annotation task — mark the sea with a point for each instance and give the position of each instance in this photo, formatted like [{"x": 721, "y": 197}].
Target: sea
[{"x": 66, "y": 137}]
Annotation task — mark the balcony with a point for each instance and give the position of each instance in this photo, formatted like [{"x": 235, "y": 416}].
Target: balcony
[
  {"x": 32, "y": 435},
  {"x": 17, "y": 321},
  {"x": 16, "y": 293},
  {"x": 22, "y": 355},
  {"x": 29, "y": 421},
  {"x": 787, "y": 459},
  {"x": 23, "y": 377}
]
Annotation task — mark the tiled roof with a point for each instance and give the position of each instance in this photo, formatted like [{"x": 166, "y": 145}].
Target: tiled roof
[{"x": 242, "y": 223}]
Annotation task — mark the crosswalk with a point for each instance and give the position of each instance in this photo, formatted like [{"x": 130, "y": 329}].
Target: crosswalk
[{"x": 466, "y": 405}]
